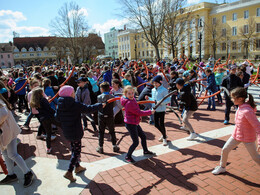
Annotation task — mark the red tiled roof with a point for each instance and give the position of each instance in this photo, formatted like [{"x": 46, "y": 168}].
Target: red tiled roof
[{"x": 33, "y": 42}]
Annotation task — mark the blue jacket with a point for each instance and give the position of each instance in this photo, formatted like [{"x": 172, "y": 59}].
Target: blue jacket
[
  {"x": 19, "y": 83},
  {"x": 94, "y": 85},
  {"x": 49, "y": 92},
  {"x": 140, "y": 81},
  {"x": 108, "y": 75},
  {"x": 157, "y": 95},
  {"x": 69, "y": 115},
  {"x": 211, "y": 83}
]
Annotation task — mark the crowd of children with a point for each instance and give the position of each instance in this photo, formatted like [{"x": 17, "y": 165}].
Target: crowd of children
[{"x": 85, "y": 96}]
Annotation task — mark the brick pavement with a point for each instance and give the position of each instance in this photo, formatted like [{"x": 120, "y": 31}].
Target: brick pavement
[{"x": 184, "y": 171}]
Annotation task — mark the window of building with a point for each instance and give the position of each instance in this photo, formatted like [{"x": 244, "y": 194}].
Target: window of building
[
  {"x": 138, "y": 45},
  {"x": 234, "y": 16},
  {"x": 146, "y": 44},
  {"x": 161, "y": 52},
  {"x": 224, "y": 19},
  {"x": 257, "y": 27},
  {"x": 46, "y": 54},
  {"x": 16, "y": 55},
  {"x": 223, "y": 46},
  {"x": 246, "y": 14},
  {"x": 234, "y": 31},
  {"x": 234, "y": 45},
  {"x": 151, "y": 53},
  {"x": 143, "y": 53},
  {"x": 24, "y": 50},
  {"x": 39, "y": 54},
  {"x": 31, "y": 49},
  {"x": 139, "y": 54},
  {"x": 142, "y": 45},
  {"x": 2, "y": 63},
  {"x": 31, "y": 54},
  {"x": 214, "y": 21},
  {"x": 246, "y": 29},
  {"x": 257, "y": 43},
  {"x": 191, "y": 24},
  {"x": 258, "y": 12},
  {"x": 147, "y": 53},
  {"x": 2, "y": 56},
  {"x": 39, "y": 49},
  {"x": 190, "y": 36},
  {"x": 200, "y": 22},
  {"x": 224, "y": 32},
  {"x": 8, "y": 55},
  {"x": 24, "y": 55}
]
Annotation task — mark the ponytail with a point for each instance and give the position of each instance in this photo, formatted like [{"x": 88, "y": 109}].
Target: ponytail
[{"x": 251, "y": 101}]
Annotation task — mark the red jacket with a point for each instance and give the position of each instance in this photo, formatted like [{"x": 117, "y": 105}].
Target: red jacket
[
  {"x": 132, "y": 111},
  {"x": 246, "y": 124}
]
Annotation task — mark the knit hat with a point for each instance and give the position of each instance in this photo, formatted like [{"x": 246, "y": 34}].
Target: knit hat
[
  {"x": 66, "y": 91},
  {"x": 186, "y": 73},
  {"x": 179, "y": 81},
  {"x": 157, "y": 79},
  {"x": 233, "y": 67}
]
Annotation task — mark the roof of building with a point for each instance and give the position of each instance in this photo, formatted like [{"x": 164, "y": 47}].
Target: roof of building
[
  {"x": 33, "y": 42},
  {"x": 6, "y": 47}
]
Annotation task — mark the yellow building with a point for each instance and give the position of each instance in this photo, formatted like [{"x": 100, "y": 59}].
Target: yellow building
[{"x": 229, "y": 28}]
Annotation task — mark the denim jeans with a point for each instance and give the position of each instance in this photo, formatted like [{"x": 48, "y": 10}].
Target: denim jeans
[
  {"x": 10, "y": 155},
  {"x": 135, "y": 132},
  {"x": 29, "y": 118},
  {"x": 85, "y": 119},
  {"x": 211, "y": 101}
]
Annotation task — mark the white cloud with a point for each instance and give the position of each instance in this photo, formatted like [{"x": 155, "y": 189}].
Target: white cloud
[
  {"x": 104, "y": 28},
  {"x": 192, "y": 1},
  {"x": 82, "y": 11},
  {"x": 9, "y": 22}
]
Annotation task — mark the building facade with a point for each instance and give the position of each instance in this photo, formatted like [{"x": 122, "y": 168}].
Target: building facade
[
  {"x": 6, "y": 55},
  {"x": 111, "y": 43},
  {"x": 210, "y": 29}
]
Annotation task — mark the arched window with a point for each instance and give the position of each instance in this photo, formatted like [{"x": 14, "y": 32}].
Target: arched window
[
  {"x": 16, "y": 49},
  {"x": 23, "y": 50},
  {"x": 31, "y": 49},
  {"x": 45, "y": 49},
  {"x": 38, "y": 49},
  {"x": 53, "y": 48}
]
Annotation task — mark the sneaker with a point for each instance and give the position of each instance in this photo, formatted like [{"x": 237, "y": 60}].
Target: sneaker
[
  {"x": 192, "y": 136},
  {"x": 116, "y": 148},
  {"x": 40, "y": 136},
  {"x": 149, "y": 153},
  {"x": 100, "y": 150},
  {"x": 184, "y": 128},
  {"x": 68, "y": 175},
  {"x": 79, "y": 169},
  {"x": 9, "y": 179},
  {"x": 165, "y": 142},
  {"x": 226, "y": 122},
  {"x": 28, "y": 179},
  {"x": 129, "y": 159},
  {"x": 161, "y": 139},
  {"x": 218, "y": 170},
  {"x": 49, "y": 150},
  {"x": 53, "y": 137}
]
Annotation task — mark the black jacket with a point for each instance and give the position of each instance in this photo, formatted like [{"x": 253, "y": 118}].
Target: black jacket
[
  {"x": 172, "y": 84},
  {"x": 231, "y": 82},
  {"x": 108, "y": 110},
  {"x": 187, "y": 99},
  {"x": 146, "y": 91},
  {"x": 69, "y": 115},
  {"x": 246, "y": 78},
  {"x": 45, "y": 110}
]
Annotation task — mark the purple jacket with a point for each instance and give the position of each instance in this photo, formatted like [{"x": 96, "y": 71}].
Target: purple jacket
[{"x": 132, "y": 111}]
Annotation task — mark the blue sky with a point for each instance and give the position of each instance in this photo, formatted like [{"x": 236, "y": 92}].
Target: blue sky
[{"x": 32, "y": 17}]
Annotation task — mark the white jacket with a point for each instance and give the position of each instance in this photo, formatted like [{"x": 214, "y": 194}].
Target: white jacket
[{"x": 8, "y": 125}]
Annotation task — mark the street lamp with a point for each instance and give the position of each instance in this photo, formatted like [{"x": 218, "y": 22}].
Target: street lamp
[
  {"x": 135, "y": 50},
  {"x": 200, "y": 37}
]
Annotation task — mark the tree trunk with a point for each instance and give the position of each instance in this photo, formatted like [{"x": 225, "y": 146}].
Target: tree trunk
[
  {"x": 173, "y": 51},
  {"x": 214, "y": 50},
  {"x": 157, "y": 51}
]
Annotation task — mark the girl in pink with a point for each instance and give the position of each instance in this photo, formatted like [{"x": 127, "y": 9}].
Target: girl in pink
[
  {"x": 246, "y": 128},
  {"x": 132, "y": 120}
]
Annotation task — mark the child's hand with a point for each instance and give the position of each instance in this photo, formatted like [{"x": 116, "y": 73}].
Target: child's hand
[
  {"x": 104, "y": 105},
  {"x": 146, "y": 97},
  {"x": 153, "y": 111}
]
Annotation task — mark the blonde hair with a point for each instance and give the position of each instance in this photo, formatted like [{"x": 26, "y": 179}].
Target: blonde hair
[
  {"x": 37, "y": 94},
  {"x": 34, "y": 81},
  {"x": 128, "y": 88}
]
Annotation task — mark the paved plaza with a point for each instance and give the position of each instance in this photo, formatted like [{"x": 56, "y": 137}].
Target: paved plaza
[{"x": 183, "y": 167}]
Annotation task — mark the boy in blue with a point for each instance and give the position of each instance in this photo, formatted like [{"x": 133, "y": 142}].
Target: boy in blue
[
  {"x": 68, "y": 114},
  {"x": 212, "y": 88},
  {"x": 106, "y": 118},
  {"x": 158, "y": 93},
  {"x": 21, "y": 94}
]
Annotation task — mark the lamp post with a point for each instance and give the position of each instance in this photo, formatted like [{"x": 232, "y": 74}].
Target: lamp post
[
  {"x": 135, "y": 50},
  {"x": 200, "y": 37}
]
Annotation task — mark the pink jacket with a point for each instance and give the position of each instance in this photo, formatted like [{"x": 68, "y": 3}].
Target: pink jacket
[
  {"x": 247, "y": 125},
  {"x": 132, "y": 111}
]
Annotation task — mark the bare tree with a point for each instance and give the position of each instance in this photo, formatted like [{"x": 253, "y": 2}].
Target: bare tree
[
  {"x": 226, "y": 37},
  {"x": 70, "y": 24},
  {"x": 60, "y": 45},
  {"x": 214, "y": 34},
  {"x": 148, "y": 15},
  {"x": 247, "y": 33},
  {"x": 175, "y": 22}
]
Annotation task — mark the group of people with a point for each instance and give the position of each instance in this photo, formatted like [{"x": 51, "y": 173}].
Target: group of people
[{"x": 86, "y": 94}]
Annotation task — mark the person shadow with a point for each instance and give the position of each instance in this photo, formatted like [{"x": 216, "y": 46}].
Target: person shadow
[
  {"x": 101, "y": 188},
  {"x": 18, "y": 186},
  {"x": 169, "y": 172}
]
